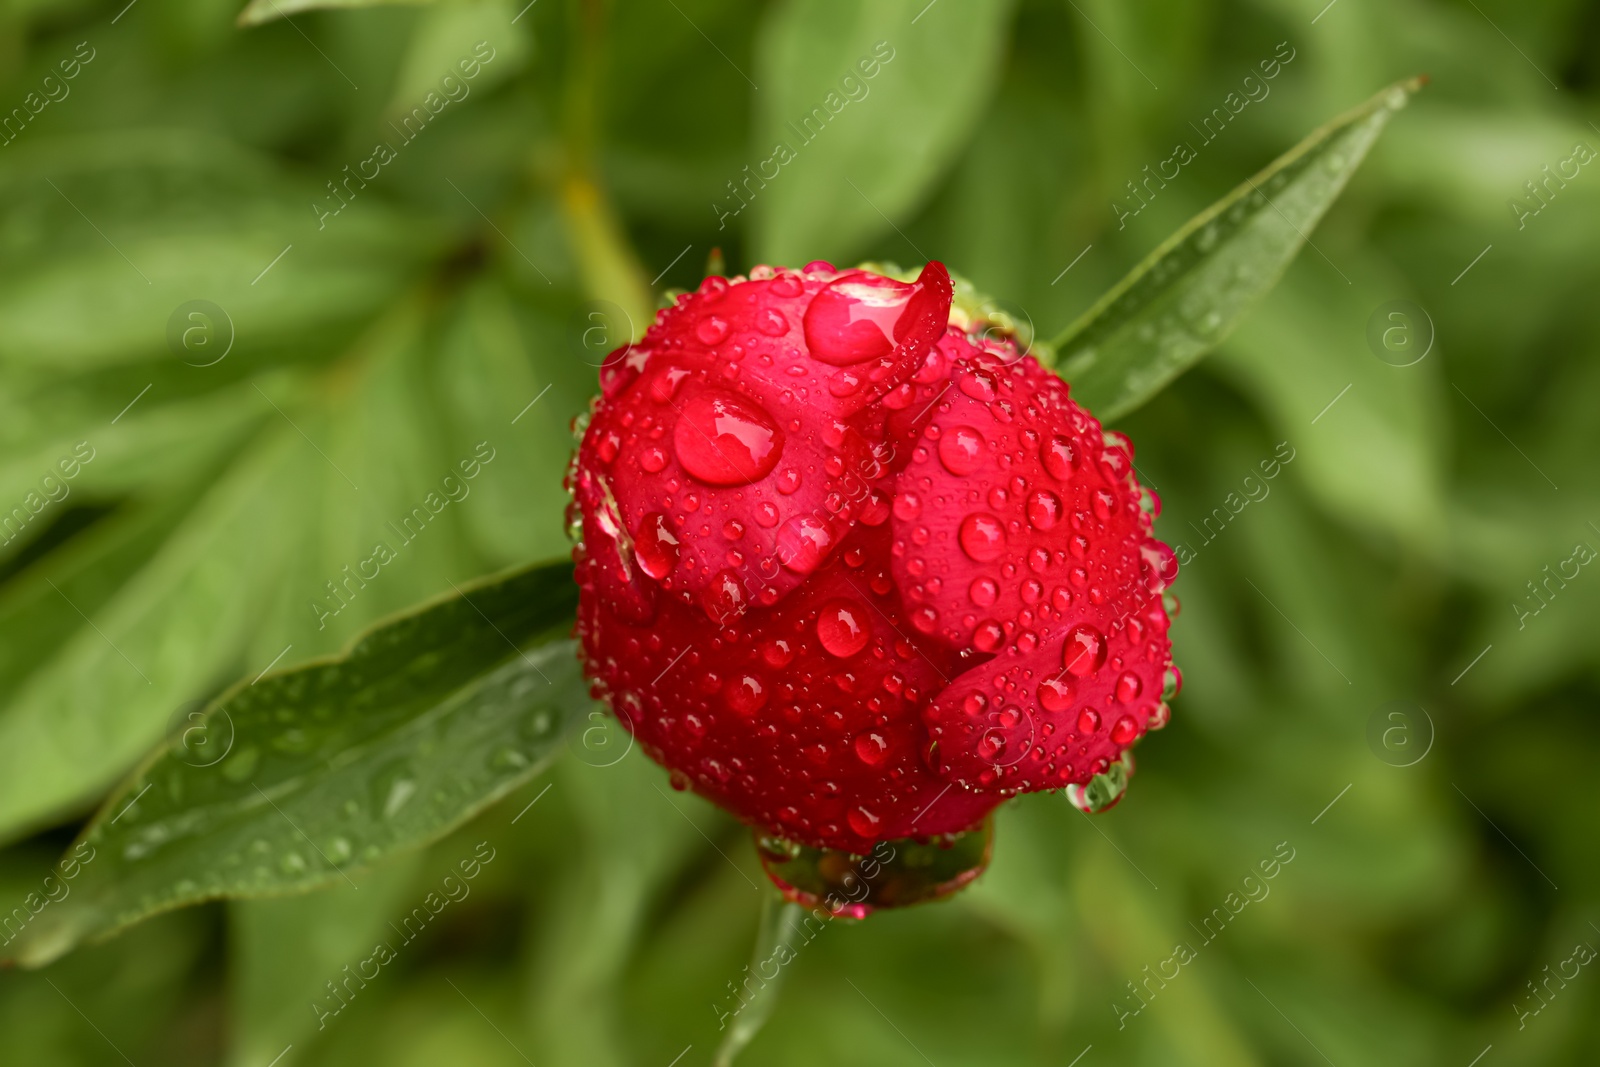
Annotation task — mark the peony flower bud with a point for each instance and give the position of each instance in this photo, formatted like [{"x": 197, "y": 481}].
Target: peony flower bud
[{"x": 856, "y": 570}]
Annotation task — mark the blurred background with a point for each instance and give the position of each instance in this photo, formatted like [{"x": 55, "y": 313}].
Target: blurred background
[{"x": 264, "y": 285}]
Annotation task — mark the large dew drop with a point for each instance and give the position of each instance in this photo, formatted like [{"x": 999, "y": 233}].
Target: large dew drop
[
  {"x": 803, "y": 542},
  {"x": 712, "y": 330},
  {"x": 724, "y": 439},
  {"x": 655, "y": 547},
  {"x": 744, "y": 694},
  {"x": 982, "y": 536},
  {"x": 961, "y": 450},
  {"x": 1102, "y": 792},
  {"x": 1044, "y": 510},
  {"x": 1158, "y": 564},
  {"x": 853, "y": 320},
  {"x": 1059, "y": 457},
  {"x": 1085, "y": 650},
  {"x": 1055, "y": 694},
  {"x": 863, "y": 821},
  {"x": 842, "y": 628}
]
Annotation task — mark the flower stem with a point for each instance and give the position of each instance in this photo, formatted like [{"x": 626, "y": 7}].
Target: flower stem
[
  {"x": 775, "y": 935},
  {"x": 608, "y": 266}
]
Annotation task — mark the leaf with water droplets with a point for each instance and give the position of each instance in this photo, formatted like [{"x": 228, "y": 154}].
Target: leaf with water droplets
[
  {"x": 338, "y": 763},
  {"x": 1185, "y": 297}
]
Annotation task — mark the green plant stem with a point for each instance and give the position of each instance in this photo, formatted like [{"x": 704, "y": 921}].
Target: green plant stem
[
  {"x": 775, "y": 934},
  {"x": 608, "y": 266}
]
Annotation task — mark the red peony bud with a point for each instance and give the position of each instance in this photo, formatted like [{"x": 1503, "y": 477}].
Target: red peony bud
[{"x": 856, "y": 574}]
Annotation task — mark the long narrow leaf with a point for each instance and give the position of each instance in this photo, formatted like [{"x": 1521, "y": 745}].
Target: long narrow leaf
[
  {"x": 257, "y": 12},
  {"x": 299, "y": 779},
  {"x": 1185, "y": 297}
]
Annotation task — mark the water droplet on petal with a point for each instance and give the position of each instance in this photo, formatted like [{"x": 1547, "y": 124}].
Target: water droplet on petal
[
  {"x": 863, "y": 821},
  {"x": 1171, "y": 683},
  {"x": 665, "y": 385},
  {"x": 987, "y": 636},
  {"x": 723, "y": 599},
  {"x": 787, "y": 285},
  {"x": 1124, "y": 731},
  {"x": 711, "y": 330},
  {"x": 1085, "y": 650},
  {"x": 984, "y": 591},
  {"x": 1128, "y": 687},
  {"x": 961, "y": 450},
  {"x": 772, "y": 323},
  {"x": 842, "y": 627},
  {"x": 655, "y": 547},
  {"x": 1088, "y": 721},
  {"x": 976, "y": 385},
  {"x": 992, "y": 745},
  {"x": 652, "y": 458},
  {"x": 745, "y": 694},
  {"x": 871, "y": 748},
  {"x": 803, "y": 542},
  {"x": 724, "y": 439},
  {"x": 1059, "y": 457},
  {"x": 1055, "y": 694},
  {"x": 845, "y": 383},
  {"x": 1102, "y": 791},
  {"x": 907, "y": 506},
  {"x": 1159, "y": 564},
  {"x": 1044, "y": 509},
  {"x": 853, "y": 319},
  {"x": 982, "y": 536},
  {"x": 875, "y": 509}
]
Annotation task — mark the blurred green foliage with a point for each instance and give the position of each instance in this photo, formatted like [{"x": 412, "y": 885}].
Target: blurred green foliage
[{"x": 374, "y": 349}]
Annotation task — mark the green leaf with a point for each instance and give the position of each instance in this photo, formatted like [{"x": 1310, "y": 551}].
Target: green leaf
[
  {"x": 445, "y": 35},
  {"x": 258, "y": 11},
  {"x": 1186, "y": 296},
  {"x": 103, "y": 240},
  {"x": 1376, "y": 457},
  {"x": 283, "y": 951},
  {"x": 639, "y": 837},
  {"x": 266, "y": 533},
  {"x": 335, "y": 764},
  {"x": 173, "y": 630},
  {"x": 866, "y": 149}
]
